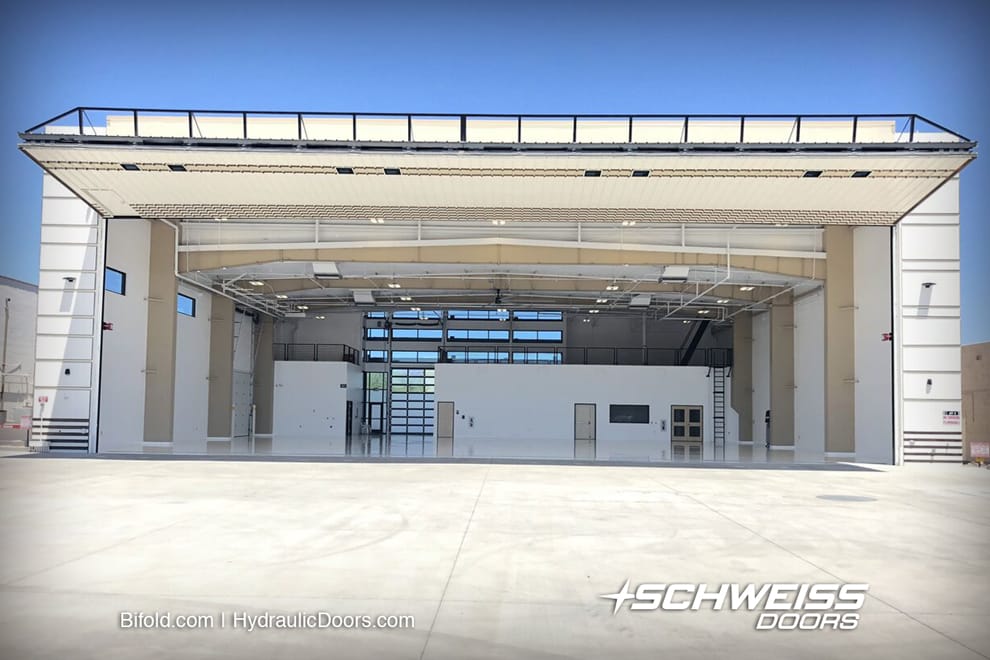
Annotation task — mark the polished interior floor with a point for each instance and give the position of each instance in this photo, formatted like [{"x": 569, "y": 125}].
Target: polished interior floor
[
  {"x": 493, "y": 561},
  {"x": 414, "y": 446}
]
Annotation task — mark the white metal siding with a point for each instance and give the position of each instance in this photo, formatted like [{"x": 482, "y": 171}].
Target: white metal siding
[
  {"x": 69, "y": 311},
  {"x": 928, "y": 327}
]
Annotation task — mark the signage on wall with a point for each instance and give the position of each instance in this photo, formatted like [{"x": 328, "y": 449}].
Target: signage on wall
[
  {"x": 950, "y": 417},
  {"x": 42, "y": 399}
]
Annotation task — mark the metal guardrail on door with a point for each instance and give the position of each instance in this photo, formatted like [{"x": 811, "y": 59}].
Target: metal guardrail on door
[{"x": 660, "y": 129}]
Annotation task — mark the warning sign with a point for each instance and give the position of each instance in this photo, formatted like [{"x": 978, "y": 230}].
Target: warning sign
[
  {"x": 979, "y": 450},
  {"x": 950, "y": 417}
]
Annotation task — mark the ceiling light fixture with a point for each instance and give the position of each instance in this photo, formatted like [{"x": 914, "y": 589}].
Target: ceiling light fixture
[
  {"x": 345, "y": 170},
  {"x": 394, "y": 285},
  {"x": 612, "y": 287},
  {"x": 405, "y": 298},
  {"x": 303, "y": 307},
  {"x": 592, "y": 172},
  {"x": 415, "y": 309},
  {"x": 746, "y": 288},
  {"x": 628, "y": 223},
  {"x": 641, "y": 173},
  {"x": 377, "y": 221},
  {"x": 593, "y": 311},
  {"x": 281, "y": 296},
  {"x": 602, "y": 301},
  {"x": 498, "y": 222},
  {"x": 722, "y": 301},
  {"x": 704, "y": 311},
  {"x": 393, "y": 170},
  {"x": 321, "y": 317},
  {"x": 256, "y": 283}
]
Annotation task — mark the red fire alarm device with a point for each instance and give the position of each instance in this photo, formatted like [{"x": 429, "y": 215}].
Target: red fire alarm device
[
  {"x": 887, "y": 336},
  {"x": 107, "y": 325}
]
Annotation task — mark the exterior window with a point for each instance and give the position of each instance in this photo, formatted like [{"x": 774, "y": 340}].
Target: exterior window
[
  {"x": 375, "y": 315},
  {"x": 478, "y": 335},
  {"x": 374, "y": 356},
  {"x": 376, "y": 333},
  {"x": 416, "y": 334},
  {"x": 538, "y": 358},
  {"x": 115, "y": 281},
  {"x": 186, "y": 305},
  {"x": 525, "y": 315},
  {"x": 478, "y": 314},
  {"x": 538, "y": 335},
  {"x": 628, "y": 414}
]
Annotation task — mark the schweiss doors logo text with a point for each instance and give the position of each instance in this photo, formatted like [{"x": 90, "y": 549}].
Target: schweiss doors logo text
[{"x": 781, "y": 606}]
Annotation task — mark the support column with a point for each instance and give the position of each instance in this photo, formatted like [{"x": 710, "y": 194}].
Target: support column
[
  {"x": 782, "y": 371},
  {"x": 742, "y": 373},
  {"x": 840, "y": 342},
  {"x": 264, "y": 378},
  {"x": 159, "y": 398},
  {"x": 221, "y": 395}
]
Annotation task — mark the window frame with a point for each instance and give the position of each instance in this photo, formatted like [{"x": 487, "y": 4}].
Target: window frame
[
  {"x": 123, "y": 281},
  {"x": 617, "y": 409},
  {"x": 178, "y": 298}
]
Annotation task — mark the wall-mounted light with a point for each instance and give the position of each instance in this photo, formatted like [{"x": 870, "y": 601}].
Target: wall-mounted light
[{"x": 928, "y": 285}]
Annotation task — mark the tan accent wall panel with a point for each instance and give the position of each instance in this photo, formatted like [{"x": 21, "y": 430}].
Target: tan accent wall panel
[
  {"x": 742, "y": 373},
  {"x": 160, "y": 359},
  {"x": 264, "y": 377},
  {"x": 218, "y": 424},
  {"x": 782, "y": 372},
  {"x": 840, "y": 355}
]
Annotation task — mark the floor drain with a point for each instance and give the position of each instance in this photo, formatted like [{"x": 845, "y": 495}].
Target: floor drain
[{"x": 847, "y": 498}]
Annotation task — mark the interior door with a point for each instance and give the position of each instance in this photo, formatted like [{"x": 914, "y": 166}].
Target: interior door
[
  {"x": 445, "y": 428},
  {"x": 584, "y": 431}
]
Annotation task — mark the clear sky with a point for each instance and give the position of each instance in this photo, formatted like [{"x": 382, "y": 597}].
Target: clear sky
[{"x": 700, "y": 56}]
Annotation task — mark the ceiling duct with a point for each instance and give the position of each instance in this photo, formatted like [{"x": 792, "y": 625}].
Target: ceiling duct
[
  {"x": 363, "y": 297},
  {"x": 325, "y": 270},
  {"x": 675, "y": 274}
]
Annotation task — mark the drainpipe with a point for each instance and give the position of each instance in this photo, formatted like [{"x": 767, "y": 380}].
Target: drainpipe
[{"x": 3, "y": 362}]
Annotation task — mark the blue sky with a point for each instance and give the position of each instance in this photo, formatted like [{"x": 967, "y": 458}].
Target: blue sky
[{"x": 702, "y": 56}]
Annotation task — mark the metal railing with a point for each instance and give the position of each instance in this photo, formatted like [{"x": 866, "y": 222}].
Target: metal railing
[
  {"x": 603, "y": 129},
  {"x": 702, "y": 357},
  {"x": 317, "y": 353}
]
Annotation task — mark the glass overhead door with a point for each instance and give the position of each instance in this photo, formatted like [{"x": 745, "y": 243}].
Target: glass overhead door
[{"x": 411, "y": 411}]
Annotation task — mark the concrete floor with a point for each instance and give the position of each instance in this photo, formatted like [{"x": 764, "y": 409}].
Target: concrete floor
[{"x": 494, "y": 561}]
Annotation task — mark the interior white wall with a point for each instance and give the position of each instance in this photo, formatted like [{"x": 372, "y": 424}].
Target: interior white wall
[
  {"x": 528, "y": 410},
  {"x": 927, "y": 335},
  {"x": 125, "y": 347},
  {"x": 628, "y": 332},
  {"x": 311, "y": 404},
  {"x": 874, "y": 423},
  {"x": 337, "y": 328},
  {"x": 192, "y": 370},
  {"x": 809, "y": 374},
  {"x": 761, "y": 375}
]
